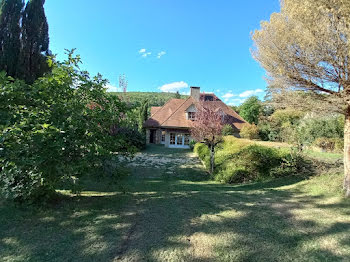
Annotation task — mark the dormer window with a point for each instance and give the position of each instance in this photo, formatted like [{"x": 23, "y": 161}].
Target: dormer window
[{"x": 191, "y": 116}]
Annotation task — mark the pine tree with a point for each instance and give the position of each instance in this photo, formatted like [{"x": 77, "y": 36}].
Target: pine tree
[
  {"x": 10, "y": 36},
  {"x": 35, "y": 41}
]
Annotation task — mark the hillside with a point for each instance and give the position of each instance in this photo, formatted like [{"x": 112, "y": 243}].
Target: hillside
[{"x": 154, "y": 98}]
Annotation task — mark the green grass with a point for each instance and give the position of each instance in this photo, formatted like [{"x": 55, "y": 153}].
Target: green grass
[
  {"x": 324, "y": 155},
  {"x": 173, "y": 212}
]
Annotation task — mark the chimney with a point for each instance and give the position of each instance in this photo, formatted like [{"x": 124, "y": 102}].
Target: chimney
[{"x": 195, "y": 92}]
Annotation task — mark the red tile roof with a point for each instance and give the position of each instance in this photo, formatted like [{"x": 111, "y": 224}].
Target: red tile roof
[
  {"x": 154, "y": 109},
  {"x": 173, "y": 114}
]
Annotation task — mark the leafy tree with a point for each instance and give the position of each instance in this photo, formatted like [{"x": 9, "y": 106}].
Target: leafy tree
[
  {"x": 306, "y": 47},
  {"x": 10, "y": 36},
  {"x": 235, "y": 108},
  {"x": 143, "y": 115},
  {"x": 35, "y": 41},
  {"x": 227, "y": 130},
  {"x": 250, "y": 131},
  {"x": 251, "y": 109},
  {"x": 58, "y": 129},
  {"x": 207, "y": 128}
]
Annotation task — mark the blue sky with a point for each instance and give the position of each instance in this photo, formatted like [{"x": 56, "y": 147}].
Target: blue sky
[{"x": 165, "y": 45}]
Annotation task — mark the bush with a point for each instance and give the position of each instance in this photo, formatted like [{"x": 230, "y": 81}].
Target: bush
[
  {"x": 57, "y": 129},
  {"x": 250, "y": 132},
  {"x": 255, "y": 162},
  {"x": 329, "y": 144},
  {"x": 251, "y": 163},
  {"x": 227, "y": 130},
  {"x": 203, "y": 153},
  {"x": 192, "y": 144}
]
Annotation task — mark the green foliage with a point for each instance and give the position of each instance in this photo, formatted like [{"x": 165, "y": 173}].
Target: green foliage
[
  {"x": 240, "y": 160},
  {"x": 10, "y": 36},
  {"x": 177, "y": 95},
  {"x": 250, "y": 110},
  {"x": 325, "y": 127},
  {"x": 329, "y": 144},
  {"x": 24, "y": 39},
  {"x": 143, "y": 115},
  {"x": 202, "y": 151},
  {"x": 227, "y": 130},
  {"x": 153, "y": 98},
  {"x": 250, "y": 132},
  {"x": 192, "y": 144},
  {"x": 35, "y": 41},
  {"x": 235, "y": 108},
  {"x": 256, "y": 162},
  {"x": 280, "y": 126},
  {"x": 249, "y": 164},
  {"x": 58, "y": 129}
]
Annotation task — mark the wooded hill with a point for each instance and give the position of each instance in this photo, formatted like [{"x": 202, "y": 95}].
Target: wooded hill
[{"x": 154, "y": 98}]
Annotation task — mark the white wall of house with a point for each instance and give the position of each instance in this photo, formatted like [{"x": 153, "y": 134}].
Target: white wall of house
[{"x": 191, "y": 109}]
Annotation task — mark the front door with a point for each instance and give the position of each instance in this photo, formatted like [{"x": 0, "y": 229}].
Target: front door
[{"x": 152, "y": 136}]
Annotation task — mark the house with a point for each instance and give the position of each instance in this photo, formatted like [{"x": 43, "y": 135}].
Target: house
[{"x": 170, "y": 124}]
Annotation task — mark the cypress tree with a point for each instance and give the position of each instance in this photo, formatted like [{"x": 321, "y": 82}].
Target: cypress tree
[
  {"x": 10, "y": 36},
  {"x": 35, "y": 41},
  {"x": 143, "y": 115}
]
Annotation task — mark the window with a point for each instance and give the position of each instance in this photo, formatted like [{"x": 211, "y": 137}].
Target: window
[
  {"x": 191, "y": 116},
  {"x": 163, "y": 136},
  {"x": 208, "y": 98},
  {"x": 179, "y": 139},
  {"x": 187, "y": 140},
  {"x": 172, "y": 139}
]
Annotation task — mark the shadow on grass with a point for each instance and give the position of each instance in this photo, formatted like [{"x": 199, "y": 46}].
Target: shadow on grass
[{"x": 180, "y": 217}]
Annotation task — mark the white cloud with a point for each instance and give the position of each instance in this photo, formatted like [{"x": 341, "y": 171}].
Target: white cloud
[
  {"x": 146, "y": 54},
  {"x": 228, "y": 95},
  {"x": 111, "y": 88},
  {"x": 186, "y": 93},
  {"x": 236, "y": 101},
  {"x": 174, "y": 87},
  {"x": 251, "y": 92},
  {"x": 160, "y": 54},
  {"x": 143, "y": 50}
]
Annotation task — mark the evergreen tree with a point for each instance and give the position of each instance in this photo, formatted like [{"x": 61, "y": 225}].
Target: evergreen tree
[
  {"x": 10, "y": 36},
  {"x": 177, "y": 95},
  {"x": 35, "y": 41},
  {"x": 143, "y": 116}
]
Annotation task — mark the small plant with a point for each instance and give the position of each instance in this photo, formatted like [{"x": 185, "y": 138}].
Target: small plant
[
  {"x": 250, "y": 132},
  {"x": 329, "y": 144},
  {"x": 227, "y": 130},
  {"x": 192, "y": 144}
]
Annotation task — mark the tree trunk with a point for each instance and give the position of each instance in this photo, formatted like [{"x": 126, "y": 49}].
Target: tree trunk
[
  {"x": 347, "y": 153},
  {"x": 212, "y": 159}
]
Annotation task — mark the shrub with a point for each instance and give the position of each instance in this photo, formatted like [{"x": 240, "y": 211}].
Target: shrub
[
  {"x": 339, "y": 144},
  {"x": 329, "y": 144},
  {"x": 227, "y": 130},
  {"x": 136, "y": 139},
  {"x": 203, "y": 153},
  {"x": 250, "y": 132},
  {"x": 57, "y": 129},
  {"x": 192, "y": 144},
  {"x": 264, "y": 131},
  {"x": 230, "y": 146},
  {"x": 255, "y": 162}
]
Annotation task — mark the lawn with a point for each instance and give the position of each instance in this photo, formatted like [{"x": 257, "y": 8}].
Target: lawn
[{"x": 171, "y": 211}]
